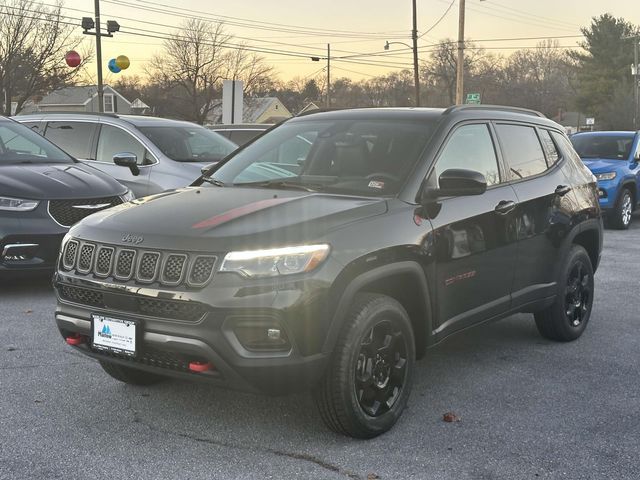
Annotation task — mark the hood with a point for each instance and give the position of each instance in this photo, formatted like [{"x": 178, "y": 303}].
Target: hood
[
  {"x": 601, "y": 165},
  {"x": 219, "y": 219},
  {"x": 56, "y": 181}
]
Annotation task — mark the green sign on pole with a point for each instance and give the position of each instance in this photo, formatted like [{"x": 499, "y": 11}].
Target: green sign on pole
[{"x": 473, "y": 98}]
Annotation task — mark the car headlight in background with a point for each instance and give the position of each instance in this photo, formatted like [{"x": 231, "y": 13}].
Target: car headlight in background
[
  {"x": 606, "y": 176},
  {"x": 127, "y": 197},
  {"x": 17, "y": 204},
  {"x": 276, "y": 261}
]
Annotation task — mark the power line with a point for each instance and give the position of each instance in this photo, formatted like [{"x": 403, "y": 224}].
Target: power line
[{"x": 446, "y": 12}]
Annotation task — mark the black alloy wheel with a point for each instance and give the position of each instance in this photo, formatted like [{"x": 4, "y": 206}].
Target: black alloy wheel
[
  {"x": 381, "y": 369},
  {"x": 578, "y": 294}
]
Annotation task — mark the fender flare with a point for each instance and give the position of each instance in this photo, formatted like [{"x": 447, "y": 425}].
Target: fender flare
[{"x": 360, "y": 282}]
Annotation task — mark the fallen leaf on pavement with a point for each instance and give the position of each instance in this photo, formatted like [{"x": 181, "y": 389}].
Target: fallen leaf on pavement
[{"x": 450, "y": 417}]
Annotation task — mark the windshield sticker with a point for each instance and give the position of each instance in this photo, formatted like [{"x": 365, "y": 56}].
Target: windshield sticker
[{"x": 376, "y": 184}]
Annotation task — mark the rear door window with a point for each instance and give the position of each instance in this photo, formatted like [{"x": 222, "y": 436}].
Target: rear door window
[
  {"x": 550, "y": 149},
  {"x": 522, "y": 150},
  {"x": 75, "y": 138}
]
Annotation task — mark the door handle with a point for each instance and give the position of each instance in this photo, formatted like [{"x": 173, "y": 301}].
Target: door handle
[
  {"x": 505, "y": 206},
  {"x": 562, "y": 190}
]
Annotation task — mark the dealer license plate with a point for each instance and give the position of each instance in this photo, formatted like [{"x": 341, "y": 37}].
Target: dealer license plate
[{"x": 114, "y": 335}]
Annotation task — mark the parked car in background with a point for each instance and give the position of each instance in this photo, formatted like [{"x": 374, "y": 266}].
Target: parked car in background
[
  {"x": 240, "y": 134},
  {"x": 147, "y": 154},
  {"x": 333, "y": 271},
  {"x": 614, "y": 158},
  {"x": 43, "y": 191}
]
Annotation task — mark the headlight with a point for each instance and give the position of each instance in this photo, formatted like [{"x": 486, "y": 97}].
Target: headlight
[
  {"x": 17, "y": 204},
  {"x": 606, "y": 176},
  {"x": 127, "y": 197},
  {"x": 276, "y": 261}
]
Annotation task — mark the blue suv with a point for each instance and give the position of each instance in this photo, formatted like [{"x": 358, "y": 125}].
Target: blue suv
[{"x": 614, "y": 158}]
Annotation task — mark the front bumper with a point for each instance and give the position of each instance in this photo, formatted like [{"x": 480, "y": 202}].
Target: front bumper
[
  {"x": 607, "y": 194},
  {"x": 168, "y": 344}
]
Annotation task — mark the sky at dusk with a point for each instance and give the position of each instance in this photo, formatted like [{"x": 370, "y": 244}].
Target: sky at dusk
[{"x": 351, "y": 27}]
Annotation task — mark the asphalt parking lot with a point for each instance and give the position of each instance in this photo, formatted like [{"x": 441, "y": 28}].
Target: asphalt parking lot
[{"x": 528, "y": 408}]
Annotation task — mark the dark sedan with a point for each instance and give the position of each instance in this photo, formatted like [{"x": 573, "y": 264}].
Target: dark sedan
[{"x": 43, "y": 191}]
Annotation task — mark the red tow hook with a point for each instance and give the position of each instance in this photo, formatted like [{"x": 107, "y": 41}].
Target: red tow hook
[
  {"x": 200, "y": 367},
  {"x": 76, "y": 339}
]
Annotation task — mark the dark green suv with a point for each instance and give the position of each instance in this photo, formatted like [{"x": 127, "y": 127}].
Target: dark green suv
[{"x": 333, "y": 268}]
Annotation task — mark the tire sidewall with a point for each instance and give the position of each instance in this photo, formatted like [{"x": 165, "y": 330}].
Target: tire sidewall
[
  {"x": 576, "y": 254},
  {"x": 385, "y": 310},
  {"x": 618, "y": 213}
]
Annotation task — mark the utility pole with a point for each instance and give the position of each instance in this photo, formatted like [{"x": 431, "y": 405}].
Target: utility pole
[
  {"x": 88, "y": 23},
  {"x": 636, "y": 76},
  {"x": 414, "y": 36},
  {"x": 328, "y": 75},
  {"x": 99, "y": 57},
  {"x": 460, "y": 72}
]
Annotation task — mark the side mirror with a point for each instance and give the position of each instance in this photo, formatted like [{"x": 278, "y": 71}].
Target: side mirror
[
  {"x": 459, "y": 182},
  {"x": 129, "y": 160},
  {"x": 204, "y": 170}
]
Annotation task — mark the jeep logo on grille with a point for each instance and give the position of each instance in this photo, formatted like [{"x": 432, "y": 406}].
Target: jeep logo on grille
[{"x": 131, "y": 238}]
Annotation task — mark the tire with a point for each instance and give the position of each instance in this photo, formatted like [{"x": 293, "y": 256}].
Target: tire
[
  {"x": 621, "y": 214},
  {"x": 131, "y": 376},
  {"x": 368, "y": 380},
  {"x": 567, "y": 318}
]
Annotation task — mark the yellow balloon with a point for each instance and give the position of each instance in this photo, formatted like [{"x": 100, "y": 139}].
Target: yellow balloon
[{"x": 123, "y": 62}]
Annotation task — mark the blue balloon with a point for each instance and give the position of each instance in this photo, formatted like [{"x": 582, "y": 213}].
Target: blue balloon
[{"x": 113, "y": 67}]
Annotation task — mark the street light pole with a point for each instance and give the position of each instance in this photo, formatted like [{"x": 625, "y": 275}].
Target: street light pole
[
  {"x": 414, "y": 36},
  {"x": 460, "y": 72}
]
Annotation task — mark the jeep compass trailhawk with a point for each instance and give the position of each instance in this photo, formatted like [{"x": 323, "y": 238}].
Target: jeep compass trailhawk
[{"x": 334, "y": 267}]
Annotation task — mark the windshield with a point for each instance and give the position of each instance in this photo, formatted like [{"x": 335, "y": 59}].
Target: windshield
[
  {"x": 19, "y": 144},
  {"x": 615, "y": 147},
  {"x": 368, "y": 157},
  {"x": 189, "y": 143}
]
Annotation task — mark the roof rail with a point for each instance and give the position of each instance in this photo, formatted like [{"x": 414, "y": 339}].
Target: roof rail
[
  {"x": 67, "y": 112},
  {"x": 498, "y": 108}
]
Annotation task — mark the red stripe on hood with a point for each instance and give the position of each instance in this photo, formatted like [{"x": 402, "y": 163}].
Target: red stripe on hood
[{"x": 240, "y": 211}]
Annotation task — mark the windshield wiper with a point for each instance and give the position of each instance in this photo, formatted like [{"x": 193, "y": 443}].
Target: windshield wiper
[
  {"x": 284, "y": 184},
  {"x": 214, "y": 181}
]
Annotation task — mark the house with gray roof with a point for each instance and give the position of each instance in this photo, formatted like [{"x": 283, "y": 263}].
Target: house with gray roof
[
  {"x": 255, "y": 110},
  {"x": 81, "y": 99}
]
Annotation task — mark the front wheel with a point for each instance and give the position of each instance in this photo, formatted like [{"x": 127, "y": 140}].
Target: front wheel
[
  {"x": 567, "y": 318},
  {"x": 621, "y": 214},
  {"x": 368, "y": 381}
]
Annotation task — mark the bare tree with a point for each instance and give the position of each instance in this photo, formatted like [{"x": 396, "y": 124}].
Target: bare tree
[
  {"x": 193, "y": 64},
  {"x": 33, "y": 41}
]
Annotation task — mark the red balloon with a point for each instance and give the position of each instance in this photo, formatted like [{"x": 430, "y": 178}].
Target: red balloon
[{"x": 72, "y": 58}]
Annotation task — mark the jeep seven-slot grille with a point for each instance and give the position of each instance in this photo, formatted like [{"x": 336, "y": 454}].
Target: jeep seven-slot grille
[
  {"x": 151, "y": 307},
  {"x": 68, "y": 212},
  {"x": 138, "y": 265}
]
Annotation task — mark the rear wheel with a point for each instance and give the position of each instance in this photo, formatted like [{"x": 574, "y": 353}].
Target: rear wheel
[
  {"x": 621, "y": 215},
  {"x": 367, "y": 383},
  {"x": 129, "y": 375},
  {"x": 567, "y": 318}
]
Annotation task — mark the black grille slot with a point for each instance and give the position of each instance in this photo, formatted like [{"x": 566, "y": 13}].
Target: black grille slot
[
  {"x": 151, "y": 307},
  {"x": 188, "y": 311},
  {"x": 70, "y": 253},
  {"x": 83, "y": 296},
  {"x": 124, "y": 264},
  {"x": 148, "y": 266},
  {"x": 86, "y": 257},
  {"x": 155, "y": 358},
  {"x": 173, "y": 268},
  {"x": 68, "y": 212},
  {"x": 201, "y": 270},
  {"x": 103, "y": 261}
]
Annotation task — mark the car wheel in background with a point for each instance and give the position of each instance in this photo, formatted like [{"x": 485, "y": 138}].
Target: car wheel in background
[
  {"x": 567, "y": 318},
  {"x": 368, "y": 380},
  {"x": 621, "y": 215}
]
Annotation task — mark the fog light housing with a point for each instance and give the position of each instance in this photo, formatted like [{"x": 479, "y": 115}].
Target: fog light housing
[
  {"x": 258, "y": 336},
  {"x": 602, "y": 193}
]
